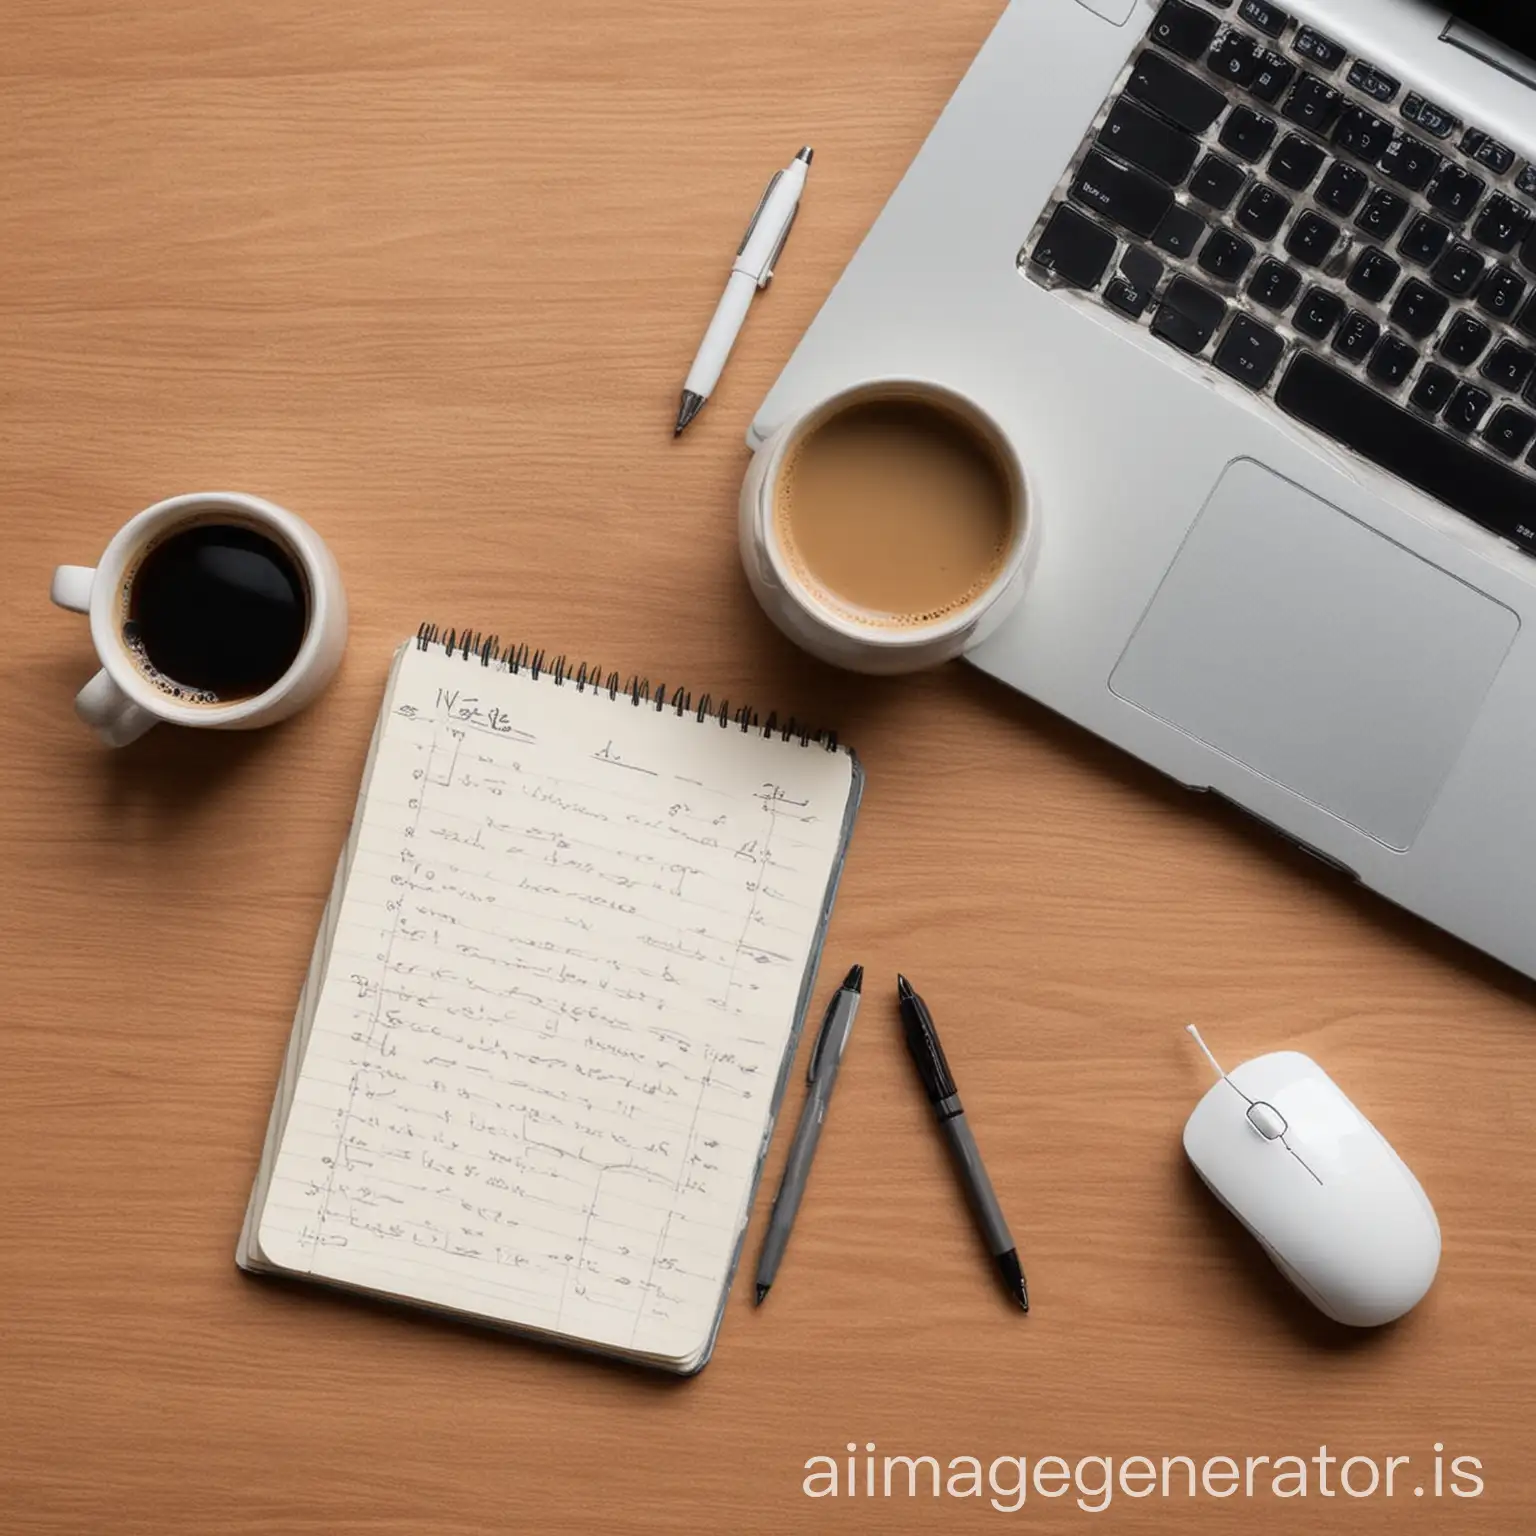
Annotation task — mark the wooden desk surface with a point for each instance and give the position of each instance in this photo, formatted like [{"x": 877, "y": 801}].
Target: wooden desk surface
[{"x": 431, "y": 276}]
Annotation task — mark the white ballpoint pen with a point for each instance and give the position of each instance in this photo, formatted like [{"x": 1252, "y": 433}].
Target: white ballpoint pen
[{"x": 751, "y": 270}]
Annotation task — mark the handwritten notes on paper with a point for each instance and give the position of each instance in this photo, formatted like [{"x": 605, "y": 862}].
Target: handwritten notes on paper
[{"x": 559, "y": 994}]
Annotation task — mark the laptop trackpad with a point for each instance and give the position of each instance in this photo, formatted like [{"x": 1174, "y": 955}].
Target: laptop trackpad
[{"x": 1300, "y": 642}]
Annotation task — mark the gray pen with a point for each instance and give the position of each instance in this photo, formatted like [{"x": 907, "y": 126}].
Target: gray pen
[
  {"x": 826, "y": 1057},
  {"x": 939, "y": 1085}
]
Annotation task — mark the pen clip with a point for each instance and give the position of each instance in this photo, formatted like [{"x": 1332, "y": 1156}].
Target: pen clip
[
  {"x": 819, "y": 1049},
  {"x": 778, "y": 248},
  {"x": 757, "y": 213}
]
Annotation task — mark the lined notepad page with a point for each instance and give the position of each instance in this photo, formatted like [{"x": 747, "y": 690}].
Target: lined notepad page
[{"x": 560, "y": 989}]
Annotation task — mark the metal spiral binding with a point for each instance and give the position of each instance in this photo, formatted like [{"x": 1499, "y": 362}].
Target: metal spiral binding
[{"x": 587, "y": 677}]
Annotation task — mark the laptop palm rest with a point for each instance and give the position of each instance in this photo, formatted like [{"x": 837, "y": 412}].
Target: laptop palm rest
[{"x": 1301, "y": 643}]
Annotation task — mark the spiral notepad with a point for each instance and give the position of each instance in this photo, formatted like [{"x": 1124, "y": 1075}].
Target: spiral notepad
[{"x": 553, "y": 1001}]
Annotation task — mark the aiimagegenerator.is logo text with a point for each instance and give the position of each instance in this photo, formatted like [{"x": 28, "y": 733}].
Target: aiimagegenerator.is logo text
[{"x": 1009, "y": 1482}]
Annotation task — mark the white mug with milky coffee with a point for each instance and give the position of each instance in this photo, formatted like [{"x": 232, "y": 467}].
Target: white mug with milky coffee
[
  {"x": 888, "y": 528},
  {"x": 214, "y": 609}
]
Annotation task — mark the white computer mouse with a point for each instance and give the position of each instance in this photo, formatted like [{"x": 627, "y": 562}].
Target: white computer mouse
[{"x": 1336, "y": 1208}]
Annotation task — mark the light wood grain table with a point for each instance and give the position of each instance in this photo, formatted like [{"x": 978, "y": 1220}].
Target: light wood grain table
[{"x": 431, "y": 275}]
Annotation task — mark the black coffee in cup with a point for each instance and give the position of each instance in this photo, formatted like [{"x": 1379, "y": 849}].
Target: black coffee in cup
[{"x": 215, "y": 612}]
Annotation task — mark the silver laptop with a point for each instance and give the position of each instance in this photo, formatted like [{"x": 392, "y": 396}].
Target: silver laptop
[{"x": 1255, "y": 291}]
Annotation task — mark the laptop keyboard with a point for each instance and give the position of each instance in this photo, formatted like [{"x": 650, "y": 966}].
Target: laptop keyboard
[{"x": 1325, "y": 236}]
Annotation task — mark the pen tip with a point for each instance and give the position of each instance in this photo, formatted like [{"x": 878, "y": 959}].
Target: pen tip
[
  {"x": 903, "y": 986},
  {"x": 762, "y": 1292},
  {"x": 691, "y": 405},
  {"x": 805, "y": 154},
  {"x": 854, "y": 980},
  {"x": 1013, "y": 1277}
]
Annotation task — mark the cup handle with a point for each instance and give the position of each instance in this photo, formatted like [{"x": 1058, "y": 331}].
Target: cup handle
[
  {"x": 110, "y": 712},
  {"x": 72, "y": 587}
]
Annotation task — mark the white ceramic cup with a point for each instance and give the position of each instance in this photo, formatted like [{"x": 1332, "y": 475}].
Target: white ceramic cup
[
  {"x": 122, "y": 702},
  {"x": 834, "y": 635}
]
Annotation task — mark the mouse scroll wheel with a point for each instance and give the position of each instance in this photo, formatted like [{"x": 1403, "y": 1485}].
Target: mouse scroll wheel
[{"x": 1267, "y": 1121}]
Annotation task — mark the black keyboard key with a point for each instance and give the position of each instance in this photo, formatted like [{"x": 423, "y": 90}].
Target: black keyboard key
[
  {"x": 1487, "y": 151},
  {"x": 1454, "y": 192},
  {"x": 1436, "y": 385},
  {"x": 1465, "y": 340},
  {"x": 1374, "y": 82},
  {"x": 1424, "y": 239},
  {"x": 1236, "y": 57},
  {"x": 1126, "y": 197},
  {"x": 1458, "y": 271},
  {"x": 1179, "y": 96},
  {"x": 1313, "y": 104},
  {"x": 1409, "y": 162},
  {"x": 1263, "y": 211},
  {"x": 1468, "y": 407},
  {"x": 1141, "y": 267},
  {"x": 1432, "y": 119},
  {"x": 1496, "y": 156},
  {"x": 1225, "y": 255},
  {"x": 1189, "y": 315},
  {"x": 1512, "y": 367},
  {"x": 1312, "y": 238},
  {"x": 1363, "y": 134},
  {"x": 1418, "y": 310},
  {"x": 1296, "y": 162},
  {"x": 1392, "y": 361},
  {"x": 1503, "y": 224},
  {"x": 1247, "y": 134},
  {"x": 1274, "y": 76},
  {"x": 1356, "y": 338},
  {"x": 1126, "y": 297},
  {"x": 1137, "y": 137},
  {"x": 1274, "y": 285},
  {"x": 1184, "y": 28},
  {"x": 1353, "y": 413},
  {"x": 1501, "y": 293},
  {"x": 1526, "y": 180},
  {"x": 1180, "y": 231},
  {"x": 1509, "y": 431},
  {"x": 1249, "y": 352},
  {"x": 1373, "y": 275},
  {"x": 1509, "y": 366},
  {"x": 1266, "y": 17},
  {"x": 1528, "y": 251},
  {"x": 1318, "y": 313},
  {"x": 1382, "y": 214},
  {"x": 1074, "y": 248},
  {"x": 1525, "y": 322},
  {"x": 1217, "y": 181},
  {"x": 1323, "y": 51},
  {"x": 1131, "y": 289},
  {"x": 1342, "y": 188}
]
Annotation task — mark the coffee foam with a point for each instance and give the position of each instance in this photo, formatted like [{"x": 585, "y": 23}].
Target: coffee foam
[
  {"x": 154, "y": 676},
  {"x": 785, "y": 496}
]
